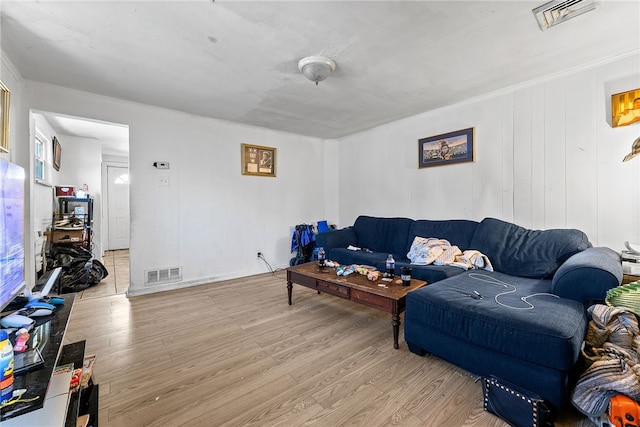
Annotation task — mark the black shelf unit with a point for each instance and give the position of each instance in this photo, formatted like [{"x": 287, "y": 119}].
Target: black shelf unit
[{"x": 77, "y": 236}]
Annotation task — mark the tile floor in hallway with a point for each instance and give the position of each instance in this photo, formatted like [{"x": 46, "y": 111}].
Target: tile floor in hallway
[{"x": 117, "y": 282}]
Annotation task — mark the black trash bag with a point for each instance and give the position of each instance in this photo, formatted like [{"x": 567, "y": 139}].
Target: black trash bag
[
  {"x": 75, "y": 277},
  {"x": 97, "y": 272},
  {"x": 79, "y": 269}
]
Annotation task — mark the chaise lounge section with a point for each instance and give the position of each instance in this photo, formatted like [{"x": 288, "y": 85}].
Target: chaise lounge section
[{"x": 523, "y": 322}]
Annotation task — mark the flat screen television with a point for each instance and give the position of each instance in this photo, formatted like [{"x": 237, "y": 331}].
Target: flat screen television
[{"x": 12, "y": 280}]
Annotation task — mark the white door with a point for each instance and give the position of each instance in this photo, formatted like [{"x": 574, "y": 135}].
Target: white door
[{"x": 118, "y": 207}]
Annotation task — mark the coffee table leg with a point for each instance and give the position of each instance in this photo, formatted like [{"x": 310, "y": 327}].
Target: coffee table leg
[
  {"x": 289, "y": 289},
  {"x": 395, "y": 322}
]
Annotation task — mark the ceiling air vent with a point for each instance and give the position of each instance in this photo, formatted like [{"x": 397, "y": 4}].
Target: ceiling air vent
[{"x": 557, "y": 11}]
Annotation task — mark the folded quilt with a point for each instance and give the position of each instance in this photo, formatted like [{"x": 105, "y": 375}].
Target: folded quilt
[
  {"x": 612, "y": 354},
  {"x": 431, "y": 250}
]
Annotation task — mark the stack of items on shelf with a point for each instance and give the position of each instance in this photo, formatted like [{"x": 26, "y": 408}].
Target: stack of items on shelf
[
  {"x": 631, "y": 260},
  {"x": 82, "y": 376}
]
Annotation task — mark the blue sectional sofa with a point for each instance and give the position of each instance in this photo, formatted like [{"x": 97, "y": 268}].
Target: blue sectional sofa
[{"x": 529, "y": 322}]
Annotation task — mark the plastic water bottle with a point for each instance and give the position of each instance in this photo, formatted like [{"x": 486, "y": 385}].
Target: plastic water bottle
[
  {"x": 391, "y": 266},
  {"x": 322, "y": 257},
  {"x": 6, "y": 368}
]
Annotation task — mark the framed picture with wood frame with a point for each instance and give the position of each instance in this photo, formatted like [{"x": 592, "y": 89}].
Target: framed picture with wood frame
[
  {"x": 57, "y": 153},
  {"x": 258, "y": 160},
  {"x": 5, "y": 104},
  {"x": 447, "y": 148},
  {"x": 625, "y": 108}
]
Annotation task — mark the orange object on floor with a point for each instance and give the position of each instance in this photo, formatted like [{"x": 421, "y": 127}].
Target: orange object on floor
[{"x": 624, "y": 411}]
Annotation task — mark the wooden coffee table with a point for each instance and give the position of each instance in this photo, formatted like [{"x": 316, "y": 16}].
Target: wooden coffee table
[{"x": 391, "y": 297}]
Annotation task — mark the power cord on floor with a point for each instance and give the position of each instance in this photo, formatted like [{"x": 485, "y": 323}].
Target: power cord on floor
[{"x": 271, "y": 270}]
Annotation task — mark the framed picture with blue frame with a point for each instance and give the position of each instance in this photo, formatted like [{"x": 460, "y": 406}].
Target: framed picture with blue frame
[{"x": 447, "y": 148}]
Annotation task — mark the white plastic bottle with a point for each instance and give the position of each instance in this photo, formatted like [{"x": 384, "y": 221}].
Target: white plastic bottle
[{"x": 6, "y": 368}]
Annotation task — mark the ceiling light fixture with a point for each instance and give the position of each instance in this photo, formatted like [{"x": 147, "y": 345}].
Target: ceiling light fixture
[{"x": 316, "y": 68}]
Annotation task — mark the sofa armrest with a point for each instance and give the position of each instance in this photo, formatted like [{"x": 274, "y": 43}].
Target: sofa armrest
[
  {"x": 588, "y": 275},
  {"x": 337, "y": 239}
]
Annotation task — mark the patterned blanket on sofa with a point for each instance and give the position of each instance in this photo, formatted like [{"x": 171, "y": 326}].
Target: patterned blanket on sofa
[{"x": 431, "y": 250}]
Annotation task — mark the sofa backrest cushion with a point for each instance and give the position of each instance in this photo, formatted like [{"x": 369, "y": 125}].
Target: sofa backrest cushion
[
  {"x": 383, "y": 234},
  {"x": 458, "y": 232},
  {"x": 522, "y": 252}
]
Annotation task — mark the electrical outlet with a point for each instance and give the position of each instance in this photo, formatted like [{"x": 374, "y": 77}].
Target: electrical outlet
[{"x": 259, "y": 254}]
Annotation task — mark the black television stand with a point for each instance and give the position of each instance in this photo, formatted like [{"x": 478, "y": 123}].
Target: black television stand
[{"x": 47, "y": 336}]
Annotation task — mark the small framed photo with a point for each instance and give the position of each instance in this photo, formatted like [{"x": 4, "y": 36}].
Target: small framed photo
[
  {"x": 446, "y": 149},
  {"x": 625, "y": 108},
  {"x": 258, "y": 160},
  {"x": 5, "y": 104},
  {"x": 57, "y": 153}
]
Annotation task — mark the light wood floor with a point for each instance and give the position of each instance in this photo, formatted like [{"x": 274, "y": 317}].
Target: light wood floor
[
  {"x": 117, "y": 282},
  {"x": 236, "y": 354}
]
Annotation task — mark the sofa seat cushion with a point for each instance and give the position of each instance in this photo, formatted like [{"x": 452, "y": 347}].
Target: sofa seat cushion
[
  {"x": 547, "y": 330},
  {"x": 345, "y": 256},
  {"x": 522, "y": 252},
  {"x": 383, "y": 234},
  {"x": 428, "y": 273}
]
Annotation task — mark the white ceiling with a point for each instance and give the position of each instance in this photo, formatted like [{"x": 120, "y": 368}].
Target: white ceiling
[
  {"x": 113, "y": 137},
  {"x": 237, "y": 60}
]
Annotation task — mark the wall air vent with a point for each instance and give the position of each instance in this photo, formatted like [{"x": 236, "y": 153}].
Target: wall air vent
[
  {"x": 557, "y": 11},
  {"x": 162, "y": 275}
]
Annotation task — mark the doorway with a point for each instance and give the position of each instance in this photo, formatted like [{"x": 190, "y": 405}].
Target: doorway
[
  {"x": 107, "y": 144},
  {"x": 118, "y": 207}
]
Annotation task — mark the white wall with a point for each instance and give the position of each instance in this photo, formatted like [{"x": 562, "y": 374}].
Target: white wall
[
  {"x": 546, "y": 156},
  {"x": 210, "y": 220},
  {"x": 43, "y": 198}
]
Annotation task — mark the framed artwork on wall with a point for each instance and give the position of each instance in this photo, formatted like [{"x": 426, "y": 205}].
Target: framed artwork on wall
[
  {"x": 5, "y": 104},
  {"x": 625, "y": 108},
  {"x": 446, "y": 149},
  {"x": 57, "y": 153},
  {"x": 258, "y": 160}
]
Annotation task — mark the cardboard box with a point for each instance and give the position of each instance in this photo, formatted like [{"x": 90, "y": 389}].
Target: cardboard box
[
  {"x": 65, "y": 236},
  {"x": 64, "y": 190}
]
